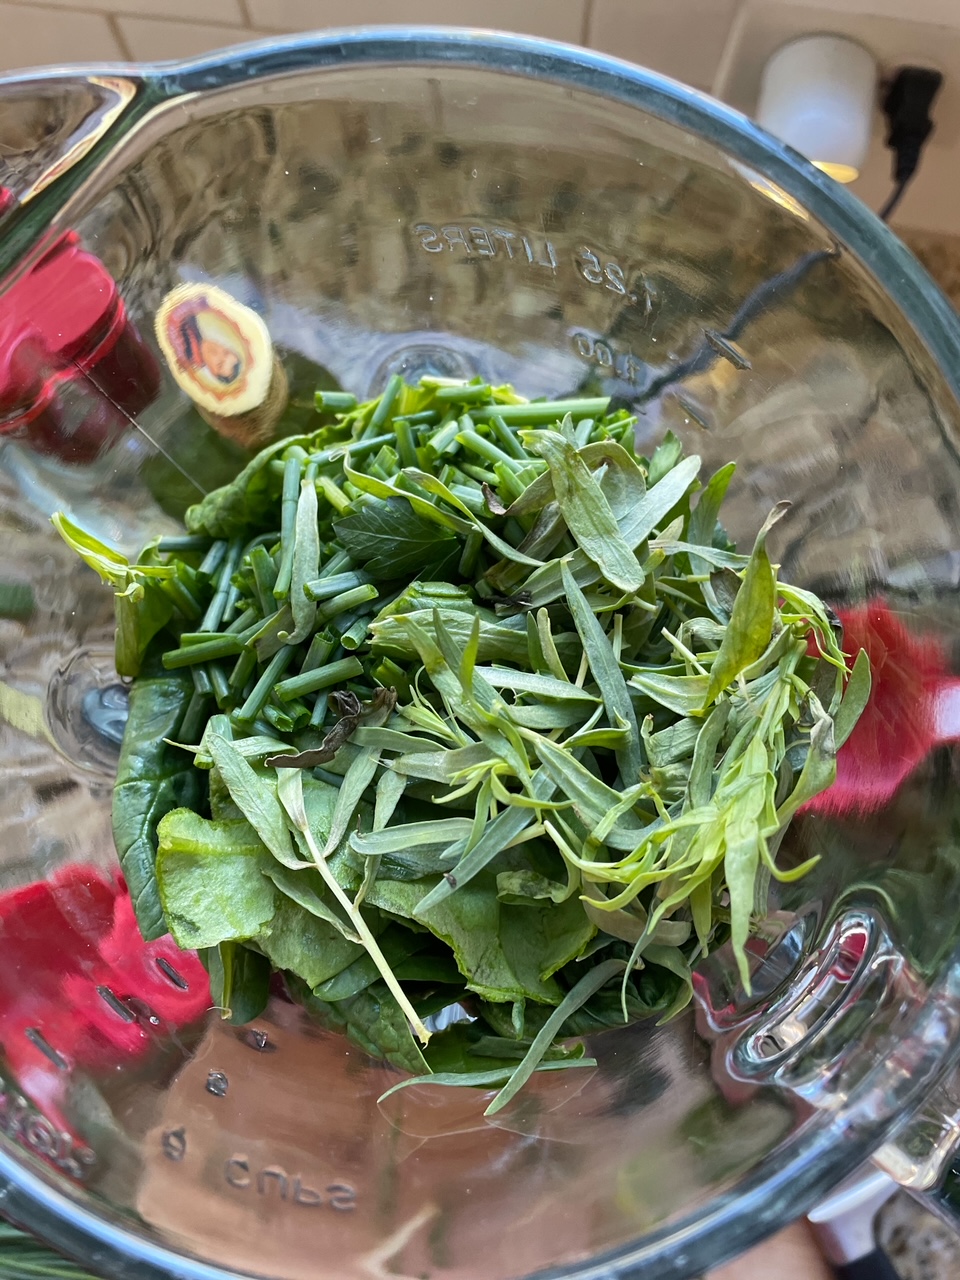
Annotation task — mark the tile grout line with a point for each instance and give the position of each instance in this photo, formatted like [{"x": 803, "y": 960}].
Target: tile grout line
[
  {"x": 586, "y": 23},
  {"x": 94, "y": 11},
  {"x": 116, "y": 31}
]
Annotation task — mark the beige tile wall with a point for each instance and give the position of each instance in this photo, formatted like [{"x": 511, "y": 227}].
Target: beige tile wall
[{"x": 682, "y": 40}]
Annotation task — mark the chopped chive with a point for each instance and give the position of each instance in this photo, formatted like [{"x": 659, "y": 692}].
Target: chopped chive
[
  {"x": 479, "y": 474},
  {"x": 339, "y": 562},
  {"x": 321, "y": 648},
  {"x": 198, "y": 637},
  {"x": 335, "y": 401},
  {"x": 181, "y": 596},
  {"x": 384, "y": 408},
  {"x": 346, "y": 600},
  {"x": 352, "y": 449},
  {"x": 264, "y": 577},
  {"x": 219, "y": 684},
  {"x": 214, "y": 558},
  {"x": 320, "y": 678},
  {"x": 469, "y": 393},
  {"x": 426, "y": 418},
  {"x": 356, "y": 633},
  {"x": 508, "y": 441},
  {"x": 190, "y": 542},
  {"x": 223, "y": 647},
  {"x": 445, "y": 440},
  {"x": 230, "y": 603},
  {"x": 334, "y": 495},
  {"x": 483, "y": 448},
  {"x": 287, "y": 721},
  {"x": 217, "y": 607},
  {"x": 240, "y": 624},
  {"x": 201, "y": 681},
  {"x": 268, "y": 628},
  {"x": 260, "y": 693},
  {"x": 194, "y": 718},
  {"x": 267, "y": 540},
  {"x": 318, "y": 715},
  {"x": 243, "y": 669},
  {"x": 542, "y": 413},
  {"x": 292, "y": 471},
  {"x": 391, "y": 675},
  {"x": 325, "y": 587},
  {"x": 472, "y": 545},
  {"x": 406, "y": 447},
  {"x": 508, "y": 486},
  {"x": 470, "y": 497}
]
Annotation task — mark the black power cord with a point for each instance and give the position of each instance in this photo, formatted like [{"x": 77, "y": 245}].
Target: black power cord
[{"x": 906, "y": 106}]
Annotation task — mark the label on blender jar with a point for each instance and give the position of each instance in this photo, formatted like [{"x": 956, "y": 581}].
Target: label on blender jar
[{"x": 218, "y": 350}]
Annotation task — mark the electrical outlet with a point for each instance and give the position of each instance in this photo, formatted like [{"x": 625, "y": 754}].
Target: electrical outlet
[{"x": 929, "y": 37}]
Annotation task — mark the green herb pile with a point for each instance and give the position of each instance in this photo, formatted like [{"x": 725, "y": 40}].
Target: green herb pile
[{"x": 457, "y": 703}]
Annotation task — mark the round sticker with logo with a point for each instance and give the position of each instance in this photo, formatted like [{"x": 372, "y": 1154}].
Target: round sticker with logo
[{"x": 218, "y": 350}]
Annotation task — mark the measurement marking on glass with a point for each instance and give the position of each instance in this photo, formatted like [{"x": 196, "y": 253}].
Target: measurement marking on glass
[
  {"x": 487, "y": 242},
  {"x": 174, "y": 1144},
  {"x": 36, "y": 1038},
  {"x": 217, "y": 1084},
  {"x": 168, "y": 971},
  {"x": 274, "y": 1181},
  {"x": 258, "y": 1040},
  {"x": 727, "y": 349},
  {"x": 597, "y": 351},
  {"x": 691, "y": 410},
  {"x": 116, "y": 1004}
]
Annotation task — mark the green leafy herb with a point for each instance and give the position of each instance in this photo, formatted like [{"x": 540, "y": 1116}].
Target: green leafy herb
[{"x": 477, "y": 708}]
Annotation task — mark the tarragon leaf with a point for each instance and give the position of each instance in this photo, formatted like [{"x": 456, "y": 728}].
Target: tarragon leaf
[
  {"x": 751, "y": 622},
  {"x": 586, "y": 510}
]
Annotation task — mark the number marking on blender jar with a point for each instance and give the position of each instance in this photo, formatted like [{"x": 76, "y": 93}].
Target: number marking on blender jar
[
  {"x": 217, "y": 1084},
  {"x": 174, "y": 1144},
  {"x": 256, "y": 1040},
  {"x": 600, "y": 352}
]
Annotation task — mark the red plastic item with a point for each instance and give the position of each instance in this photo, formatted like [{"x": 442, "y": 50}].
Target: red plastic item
[
  {"x": 912, "y": 709},
  {"x": 73, "y": 368},
  {"x": 82, "y": 988}
]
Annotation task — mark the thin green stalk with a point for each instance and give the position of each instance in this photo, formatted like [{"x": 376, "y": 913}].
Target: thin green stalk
[
  {"x": 319, "y": 678},
  {"x": 223, "y": 647},
  {"x": 262, "y": 690}
]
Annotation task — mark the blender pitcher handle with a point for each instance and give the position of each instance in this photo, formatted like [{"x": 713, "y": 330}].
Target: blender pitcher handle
[
  {"x": 56, "y": 128},
  {"x": 922, "y": 1157}
]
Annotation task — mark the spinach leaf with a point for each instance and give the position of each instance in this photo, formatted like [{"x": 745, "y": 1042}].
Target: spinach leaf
[
  {"x": 239, "y": 981},
  {"x": 211, "y": 879},
  {"x": 297, "y": 941},
  {"x": 152, "y": 778},
  {"x": 373, "y": 1020}
]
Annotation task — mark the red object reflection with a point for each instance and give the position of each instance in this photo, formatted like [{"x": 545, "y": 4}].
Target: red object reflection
[
  {"x": 913, "y": 707},
  {"x": 73, "y": 368},
  {"x": 81, "y": 988}
]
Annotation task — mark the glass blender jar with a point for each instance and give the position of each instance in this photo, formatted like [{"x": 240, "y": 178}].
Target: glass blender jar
[{"x": 459, "y": 202}]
